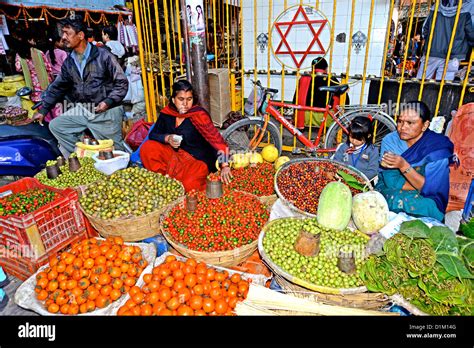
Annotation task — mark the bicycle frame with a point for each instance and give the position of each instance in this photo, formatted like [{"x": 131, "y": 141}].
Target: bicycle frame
[{"x": 270, "y": 108}]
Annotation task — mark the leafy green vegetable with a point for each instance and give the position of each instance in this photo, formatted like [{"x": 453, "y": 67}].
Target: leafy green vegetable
[
  {"x": 444, "y": 240},
  {"x": 415, "y": 229},
  {"x": 426, "y": 266},
  {"x": 467, "y": 228},
  {"x": 440, "y": 286},
  {"x": 351, "y": 181},
  {"x": 379, "y": 275},
  {"x": 416, "y": 255},
  {"x": 454, "y": 265},
  {"x": 466, "y": 250},
  {"x": 413, "y": 293}
]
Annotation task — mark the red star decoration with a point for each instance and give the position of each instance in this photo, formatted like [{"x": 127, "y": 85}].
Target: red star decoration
[{"x": 315, "y": 39}]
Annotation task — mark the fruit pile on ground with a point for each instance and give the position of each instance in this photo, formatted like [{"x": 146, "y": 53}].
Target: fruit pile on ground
[
  {"x": 186, "y": 288},
  {"x": 226, "y": 223},
  {"x": 90, "y": 276}
]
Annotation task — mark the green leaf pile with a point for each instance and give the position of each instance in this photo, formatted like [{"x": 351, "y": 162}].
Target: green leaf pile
[{"x": 430, "y": 267}]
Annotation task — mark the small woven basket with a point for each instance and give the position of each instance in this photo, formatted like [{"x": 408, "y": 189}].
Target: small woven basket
[{"x": 226, "y": 258}]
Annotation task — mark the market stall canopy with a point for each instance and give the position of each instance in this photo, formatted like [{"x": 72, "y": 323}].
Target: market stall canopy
[
  {"x": 422, "y": 10},
  {"x": 103, "y": 5}
]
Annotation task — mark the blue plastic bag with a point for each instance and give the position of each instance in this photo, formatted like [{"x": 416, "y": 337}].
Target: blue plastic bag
[{"x": 160, "y": 243}]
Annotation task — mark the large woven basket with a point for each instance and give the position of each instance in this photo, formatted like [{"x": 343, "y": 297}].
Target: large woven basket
[
  {"x": 365, "y": 300},
  {"x": 295, "y": 280},
  {"x": 134, "y": 228},
  {"x": 227, "y": 258},
  {"x": 353, "y": 171}
]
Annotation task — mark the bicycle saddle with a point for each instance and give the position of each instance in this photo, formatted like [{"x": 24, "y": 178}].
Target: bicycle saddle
[{"x": 334, "y": 89}]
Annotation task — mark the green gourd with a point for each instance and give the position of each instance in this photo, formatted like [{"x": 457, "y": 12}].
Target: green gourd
[{"x": 335, "y": 206}]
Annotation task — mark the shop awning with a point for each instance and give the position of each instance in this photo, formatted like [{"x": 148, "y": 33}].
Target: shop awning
[{"x": 89, "y": 5}]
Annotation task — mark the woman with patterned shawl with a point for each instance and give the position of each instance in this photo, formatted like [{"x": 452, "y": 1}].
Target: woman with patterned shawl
[{"x": 414, "y": 176}]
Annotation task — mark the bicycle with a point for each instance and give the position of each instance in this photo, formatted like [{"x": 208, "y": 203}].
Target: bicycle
[{"x": 247, "y": 134}]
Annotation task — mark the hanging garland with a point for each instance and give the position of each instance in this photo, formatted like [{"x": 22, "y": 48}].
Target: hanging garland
[
  {"x": 57, "y": 18},
  {"x": 45, "y": 12}
]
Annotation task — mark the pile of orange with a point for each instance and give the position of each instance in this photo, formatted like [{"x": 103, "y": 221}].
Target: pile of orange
[
  {"x": 186, "y": 288},
  {"x": 91, "y": 275}
]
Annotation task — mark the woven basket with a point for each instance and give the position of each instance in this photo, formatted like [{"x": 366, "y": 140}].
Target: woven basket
[
  {"x": 353, "y": 171},
  {"x": 295, "y": 280},
  {"x": 366, "y": 300},
  {"x": 226, "y": 258},
  {"x": 132, "y": 229}
]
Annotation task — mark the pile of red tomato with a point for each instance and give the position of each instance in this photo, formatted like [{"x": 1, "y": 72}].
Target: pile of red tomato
[
  {"x": 257, "y": 180},
  {"x": 185, "y": 288},
  {"x": 226, "y": 223}
]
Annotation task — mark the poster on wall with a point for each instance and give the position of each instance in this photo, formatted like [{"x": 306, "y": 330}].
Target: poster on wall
[{"x": 196, "y": 21}]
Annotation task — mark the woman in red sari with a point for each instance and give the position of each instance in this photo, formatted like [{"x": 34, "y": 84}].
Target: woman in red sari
[{"x": 184, "y": 142}]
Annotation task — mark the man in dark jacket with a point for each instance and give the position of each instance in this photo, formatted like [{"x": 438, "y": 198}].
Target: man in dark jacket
[
  {"x": 463, "y": 40},
  {"x": 95, "y": 83}
]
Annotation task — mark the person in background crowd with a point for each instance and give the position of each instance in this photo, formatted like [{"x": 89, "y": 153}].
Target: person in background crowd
[
  {"x": 94, "y": 34},
  {"x": 109, "y": 36},
  {"x": 33, "y": 64},
  {"x": 415, "y": 165},
  {"x": 463, "y": 40},
  {"x": 55, "y": 54},
  {"x": 358, "y": 151},
  {"x": 36, "y": 69},
  {"x": 414, "y": 48},
  {"x": 94, "y": 82},
  {"x": 399, "y": 48},
  {"x": 314, "y": 95},
  {"x": 184, "y": 142}
]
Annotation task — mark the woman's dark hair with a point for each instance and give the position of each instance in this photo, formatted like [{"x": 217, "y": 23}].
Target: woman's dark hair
[
  {"x": 182, "y": 85},
  {"x": 111, "y": 31},
  {"x": 361, "y": 129},
  {"x": 23, "y": 47},
  {"x": 76, "y": 23},
  {"x": 52, "y": 39},
  {"x": 420, "y": 107}
]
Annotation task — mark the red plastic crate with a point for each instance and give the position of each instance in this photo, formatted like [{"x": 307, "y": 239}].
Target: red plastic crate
[
  {"x": 22, "y": 267},
  {"x": 28, "y": 240}
]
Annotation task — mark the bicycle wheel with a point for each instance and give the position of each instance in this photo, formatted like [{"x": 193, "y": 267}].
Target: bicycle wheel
[
  {"x": 335, "y": 135},
  {"x": 239, "y": 134}
]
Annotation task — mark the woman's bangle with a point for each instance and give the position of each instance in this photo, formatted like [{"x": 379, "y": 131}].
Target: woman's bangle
[
  {"x": 407, "y": 170},
  {"x": 223, "y": 165}
]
